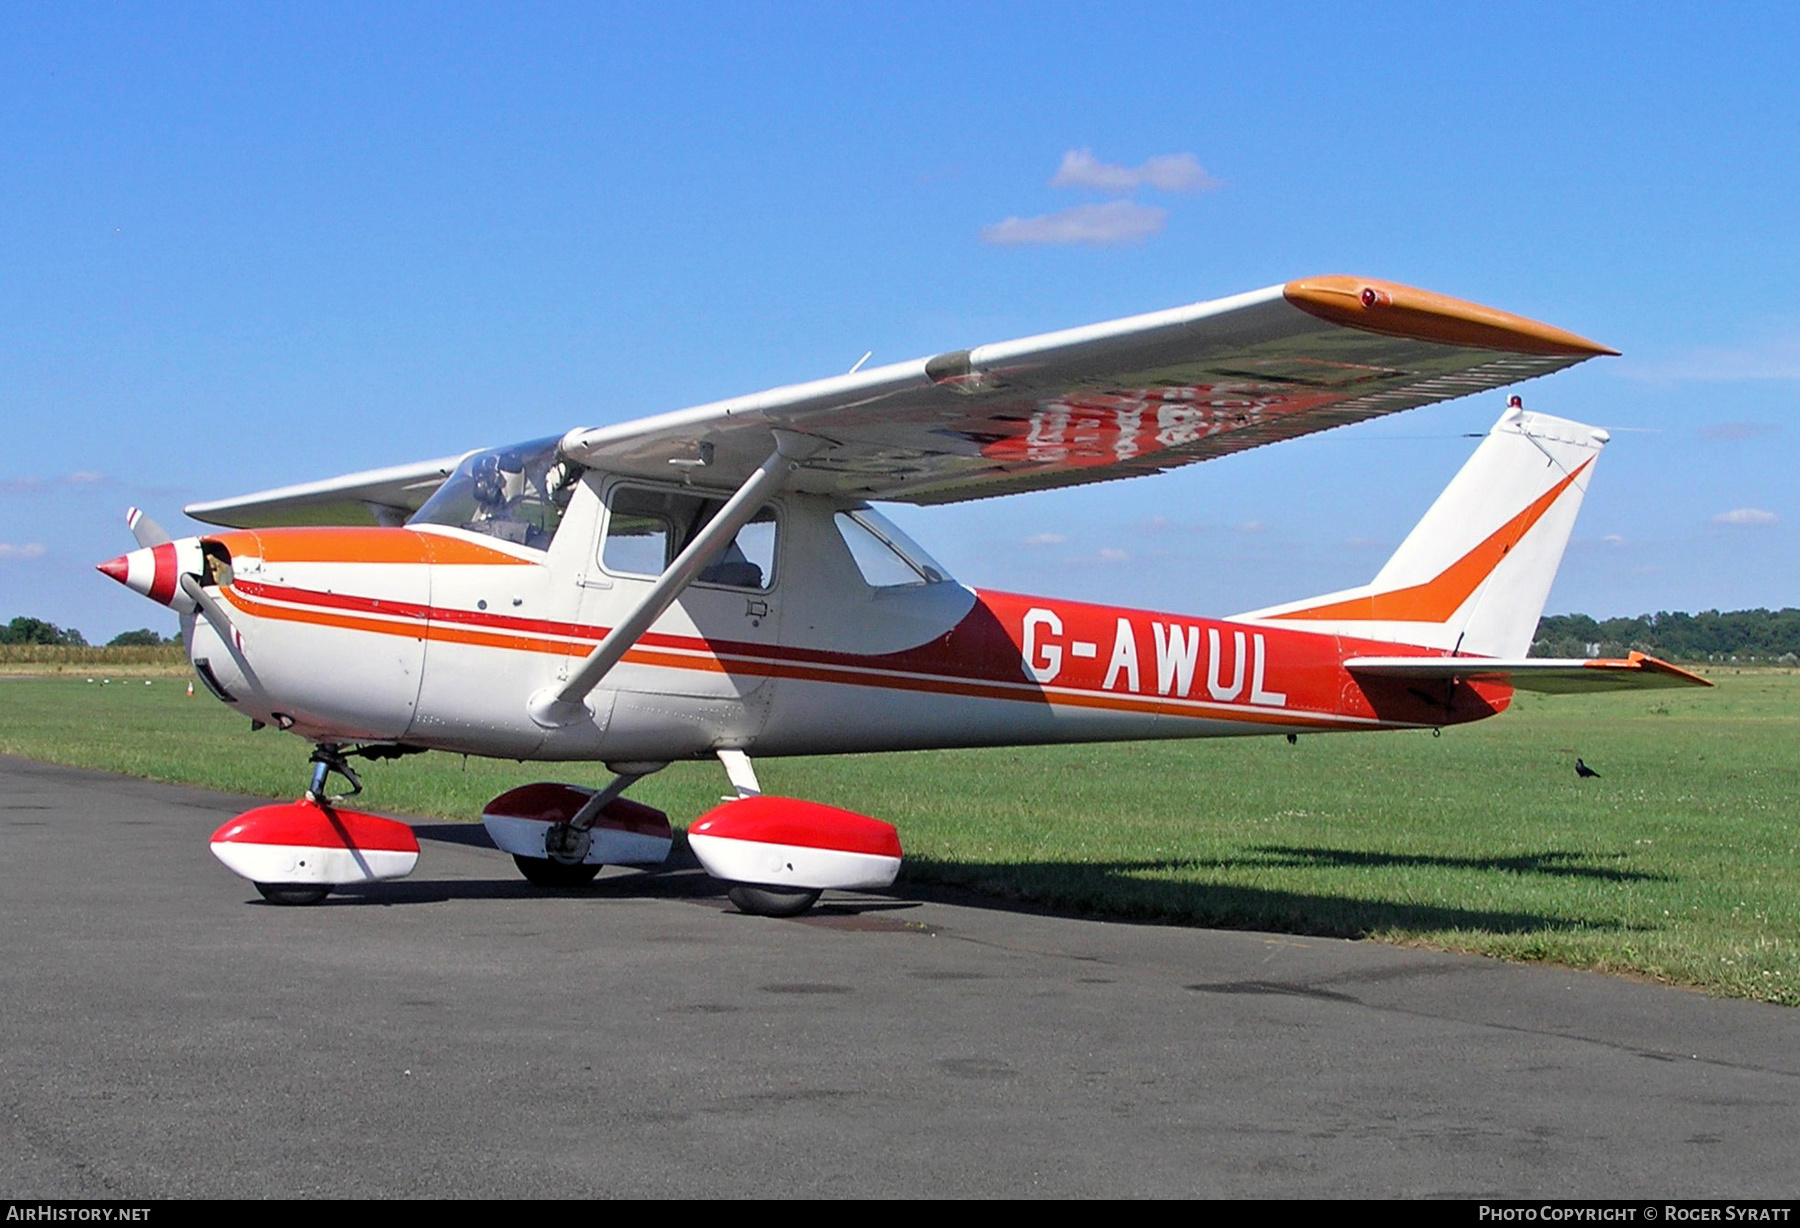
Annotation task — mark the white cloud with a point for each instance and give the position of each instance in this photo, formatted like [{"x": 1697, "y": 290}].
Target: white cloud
[
  {"x": 1110, "y": 555},
  {"x": 1046, "y": 539},
  {"x": 1252, "y": 526},
  {"x": 1165, "y": 173},
  {"x": 30, "y": 550},
  {"x": 1739, "y": 430},
  {"x": 1746, "y": 515},
  {"x": 1614, "y": 539},
  {"x": 1117, "y": 221},
  {"x": 24, "y": 485},
  {"x": 1773, "y": 357}
]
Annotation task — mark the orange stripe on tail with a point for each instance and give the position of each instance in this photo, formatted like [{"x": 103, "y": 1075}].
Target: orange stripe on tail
[{"x": 1443, "y": 595}]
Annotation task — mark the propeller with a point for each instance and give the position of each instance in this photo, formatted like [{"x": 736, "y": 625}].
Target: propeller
[
  {"x": 159, "y": 567},
  {"x": 146, "y": 530}
]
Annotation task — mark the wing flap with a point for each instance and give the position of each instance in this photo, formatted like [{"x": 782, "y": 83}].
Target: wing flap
[{"x": 1579, "y": 676}]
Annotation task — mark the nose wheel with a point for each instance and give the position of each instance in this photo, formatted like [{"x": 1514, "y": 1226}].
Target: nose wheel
[
  {"x": 292, "y": 893},
  {"x": 299, "y": 852}
]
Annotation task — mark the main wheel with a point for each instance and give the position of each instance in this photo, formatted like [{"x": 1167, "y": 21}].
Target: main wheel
[
  {"x": 556, "y": 875},
  {"x": 772, "y": 901},
  {"x": 293, "y": 893}
]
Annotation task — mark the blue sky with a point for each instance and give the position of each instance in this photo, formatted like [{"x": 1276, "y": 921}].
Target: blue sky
[{"x": 242, "y": 246}]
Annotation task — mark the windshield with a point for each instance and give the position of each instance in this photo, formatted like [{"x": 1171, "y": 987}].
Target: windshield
[
  {"x": 516, "y": 494},
  {"x": 886, "y": 557}
]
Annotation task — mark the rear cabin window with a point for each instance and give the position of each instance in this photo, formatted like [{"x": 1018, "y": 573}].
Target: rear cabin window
[{"x": 647, "y": 529}]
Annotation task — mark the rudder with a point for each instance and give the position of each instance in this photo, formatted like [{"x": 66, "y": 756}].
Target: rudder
[{"x": 1474, "y": 574}]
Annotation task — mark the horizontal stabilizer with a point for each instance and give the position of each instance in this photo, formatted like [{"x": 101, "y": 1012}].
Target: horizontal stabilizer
[{"x": 1552, "y": 677}]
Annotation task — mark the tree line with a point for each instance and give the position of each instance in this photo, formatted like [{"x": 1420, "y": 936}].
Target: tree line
[
  {"x": 24, "y": 630},
  {"x": 1740, "y": 635}
]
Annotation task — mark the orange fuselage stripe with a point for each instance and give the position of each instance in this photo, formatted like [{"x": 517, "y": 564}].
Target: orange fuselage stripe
[{"x": 364, "y": 545}]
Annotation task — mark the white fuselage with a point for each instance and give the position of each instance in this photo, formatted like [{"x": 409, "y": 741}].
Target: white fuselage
[{"x": 438, "y": 637}]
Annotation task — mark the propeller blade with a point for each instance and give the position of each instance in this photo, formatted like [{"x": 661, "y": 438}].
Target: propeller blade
[{"x": 146, "y": 530}]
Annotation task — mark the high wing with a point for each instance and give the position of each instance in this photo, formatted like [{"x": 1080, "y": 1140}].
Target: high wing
[
  {"x": 1132, "y": 396},
  {"x": 1637, "y": 671},
  {"x": 374, "y": 496}
]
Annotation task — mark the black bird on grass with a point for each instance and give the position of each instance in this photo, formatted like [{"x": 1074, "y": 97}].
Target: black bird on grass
[{"x": 1584, "y": 771}]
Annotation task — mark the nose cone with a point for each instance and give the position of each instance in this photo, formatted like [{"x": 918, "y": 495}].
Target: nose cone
[{"x": 152, "y": 571}]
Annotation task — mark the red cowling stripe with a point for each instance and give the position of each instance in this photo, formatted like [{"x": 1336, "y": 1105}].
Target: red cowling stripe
[{"x": 163, "y": 574}]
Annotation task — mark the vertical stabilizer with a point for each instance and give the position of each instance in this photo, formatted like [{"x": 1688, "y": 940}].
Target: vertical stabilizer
[{"x": 1473, "y": 576}]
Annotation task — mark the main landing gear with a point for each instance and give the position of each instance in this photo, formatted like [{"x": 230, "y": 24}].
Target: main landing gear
[
  {"x": 776, "y": 854},
  {"x": 772, "y": 901},
  {"x": 555, "y": 875},
  {"x": 561, "y": 835}
]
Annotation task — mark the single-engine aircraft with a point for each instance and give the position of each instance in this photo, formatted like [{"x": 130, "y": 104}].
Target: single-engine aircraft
[{"x": 716, "y": 582}]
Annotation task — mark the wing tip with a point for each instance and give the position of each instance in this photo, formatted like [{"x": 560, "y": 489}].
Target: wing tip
[{"x": 1405, "y": 311}]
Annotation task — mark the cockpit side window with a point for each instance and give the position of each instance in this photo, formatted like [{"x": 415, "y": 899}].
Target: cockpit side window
[
  {"x": 647, "y": 529},
  {"x": 885, "y": 556},
  {"x": 516, "y": 494}
]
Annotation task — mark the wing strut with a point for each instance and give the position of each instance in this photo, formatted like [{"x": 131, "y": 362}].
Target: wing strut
[{"x": 556, "y": 706}]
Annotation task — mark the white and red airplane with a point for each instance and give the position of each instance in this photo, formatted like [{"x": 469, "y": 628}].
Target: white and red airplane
[{"x": 715, "y": 582}]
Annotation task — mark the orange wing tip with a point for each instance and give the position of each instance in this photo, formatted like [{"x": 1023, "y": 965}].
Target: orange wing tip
[
  {"x": 1652, "y": 665},
  {"x": 1403, "y": 311}
]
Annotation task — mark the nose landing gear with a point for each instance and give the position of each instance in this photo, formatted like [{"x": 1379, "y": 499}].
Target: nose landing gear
[{"x": 297, "y": 852}]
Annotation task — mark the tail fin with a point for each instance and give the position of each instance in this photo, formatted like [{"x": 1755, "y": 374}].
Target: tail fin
[{"x": 1474, "y": 575}]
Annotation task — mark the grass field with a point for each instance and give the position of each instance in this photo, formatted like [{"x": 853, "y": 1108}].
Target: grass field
[{"x": 1682, "y": 863}]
